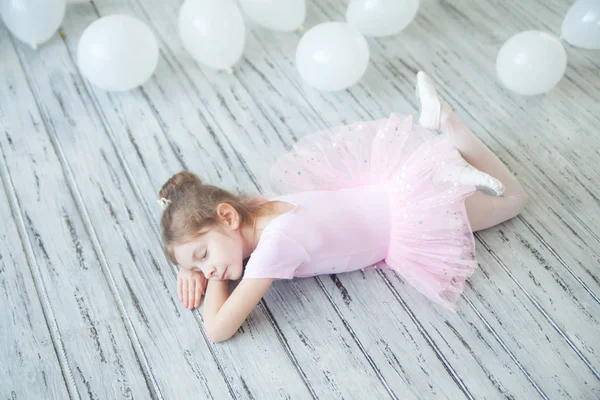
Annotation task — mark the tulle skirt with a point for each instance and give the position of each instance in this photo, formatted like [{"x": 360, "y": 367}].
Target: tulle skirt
[{"x": 431, "y": 242}]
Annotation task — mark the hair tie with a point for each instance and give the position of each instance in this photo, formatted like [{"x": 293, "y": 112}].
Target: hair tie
[{"x": 164, "y": 202}]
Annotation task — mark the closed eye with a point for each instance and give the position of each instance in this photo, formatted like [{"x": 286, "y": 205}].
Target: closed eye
[{"x": 205, "y": 254}]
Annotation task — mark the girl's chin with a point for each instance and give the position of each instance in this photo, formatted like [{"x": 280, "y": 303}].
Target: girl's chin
[
  {"x": 232, "y": 275},
  {"x": 228, "y": 275}
]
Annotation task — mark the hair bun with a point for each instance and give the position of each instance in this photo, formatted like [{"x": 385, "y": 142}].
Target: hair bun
[{"x": 177, "y": 182}]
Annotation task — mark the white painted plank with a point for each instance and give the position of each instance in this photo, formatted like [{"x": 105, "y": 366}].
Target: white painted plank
[
  {"x": 393, "y": 335},
  {"x": 534, "y": 340},
  {"x": 88, "y": 331},
  {"x": 30, "y": 365}
]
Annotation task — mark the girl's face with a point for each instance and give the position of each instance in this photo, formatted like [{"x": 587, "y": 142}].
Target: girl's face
[
  {"x": 220, "y": 251},
  {"x": 217, "y": 254}
]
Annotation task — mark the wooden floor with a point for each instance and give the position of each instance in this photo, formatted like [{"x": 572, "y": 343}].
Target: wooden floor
[{"x": 89, "y": 303}]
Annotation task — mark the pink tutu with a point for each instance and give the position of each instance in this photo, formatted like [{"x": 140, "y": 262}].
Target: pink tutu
[{"x": 431, "y": 243}]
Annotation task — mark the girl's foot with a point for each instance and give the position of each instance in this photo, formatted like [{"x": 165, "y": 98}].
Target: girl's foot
[
  {"x": 485, "y": 183},
  {"x": 434, "y": 111},
  {"x": 467, "y": 175},
  {"x": 432, "y": 106}
]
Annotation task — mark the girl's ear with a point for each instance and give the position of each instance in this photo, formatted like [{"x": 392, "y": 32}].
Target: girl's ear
[{"x": 228, "y": 215}]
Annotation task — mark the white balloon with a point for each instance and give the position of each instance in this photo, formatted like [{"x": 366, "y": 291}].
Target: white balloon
[
  {"x": 33, "y": 21},
  {"x": 381, "y": 17},
  {"x": 212, "y": 31},
  {"x": 332, "y": 56},
  {"x": 581, "y": 26},
  {"x": 117, "y": 52},
  {"x": 531, "y": 62},
  {"x": 277, "y": 15}
]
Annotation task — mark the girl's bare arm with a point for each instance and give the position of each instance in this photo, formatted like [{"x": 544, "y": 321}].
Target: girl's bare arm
[{"x": 223, "y": 316}]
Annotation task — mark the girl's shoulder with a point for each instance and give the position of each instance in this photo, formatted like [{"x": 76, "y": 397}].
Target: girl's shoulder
[{"x": 276, "y": 256}]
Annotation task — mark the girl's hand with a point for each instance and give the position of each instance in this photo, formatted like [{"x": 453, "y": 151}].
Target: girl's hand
[{"x": 191, "y": 285}]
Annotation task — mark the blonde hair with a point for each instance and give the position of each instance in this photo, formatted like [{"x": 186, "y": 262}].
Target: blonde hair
[{"x": 192, "y": 206}]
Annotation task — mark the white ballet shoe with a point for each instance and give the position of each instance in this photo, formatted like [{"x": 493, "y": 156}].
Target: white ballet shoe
[
  {"x": 485, "y": 183},
  {"x": 431, "y": 103},
  {"x": 467, "y": 175}
]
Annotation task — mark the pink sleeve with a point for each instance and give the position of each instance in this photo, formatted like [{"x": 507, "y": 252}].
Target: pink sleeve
[{"x": 276, "y": 256}]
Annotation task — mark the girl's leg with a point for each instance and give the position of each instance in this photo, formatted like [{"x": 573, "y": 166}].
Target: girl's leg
[{"x": 483, "y": 210}]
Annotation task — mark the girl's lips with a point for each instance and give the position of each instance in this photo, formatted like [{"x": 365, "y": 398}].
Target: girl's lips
[{"x": 224, "y": 274}]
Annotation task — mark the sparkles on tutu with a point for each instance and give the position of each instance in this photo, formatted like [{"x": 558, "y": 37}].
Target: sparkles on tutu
[{"x": 388, "y": 193}]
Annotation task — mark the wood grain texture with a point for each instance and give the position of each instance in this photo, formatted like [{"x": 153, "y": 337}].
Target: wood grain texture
[
  {"x": 91, "y": 300},
  {"x": 29, "y": 359}
]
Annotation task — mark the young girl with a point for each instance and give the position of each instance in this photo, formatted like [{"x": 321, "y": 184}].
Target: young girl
[{"x": 385, "y": 193}]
